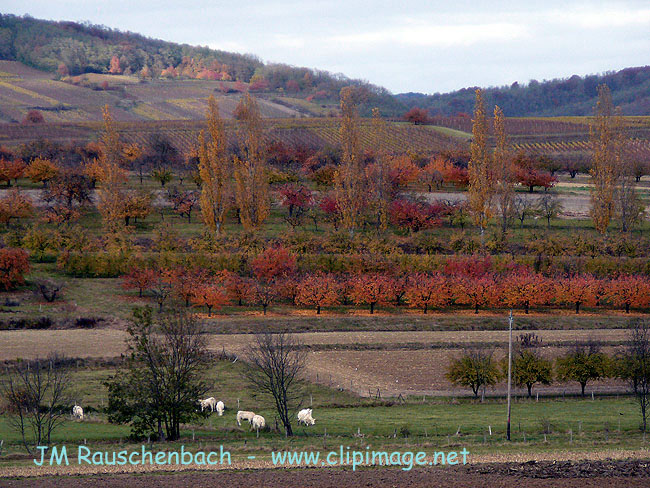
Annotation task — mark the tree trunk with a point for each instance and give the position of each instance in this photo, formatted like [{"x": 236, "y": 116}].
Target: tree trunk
[
  {"x": 372, "y": 308},
  {"x": 627, "y": 308},
  {"x": 577, "y": 307},
  {"x": 264, "y": 309},
  {"x": 582, "y": 385},
  {"x": 530, "y": 389},
  {"x": 476, "y": 308},
  {"x": 318, "y": 309}
]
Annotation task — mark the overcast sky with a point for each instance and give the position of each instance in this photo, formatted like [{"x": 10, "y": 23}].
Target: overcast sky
[{"x": 426, "y": 46}]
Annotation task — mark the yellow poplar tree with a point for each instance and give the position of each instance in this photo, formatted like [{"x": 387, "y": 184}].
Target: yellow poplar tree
[
  {"x": 214, "y": 170},
  {"x": 250, "y": 170},
  {"x": 607, "y": 145},
  {"x": 504, "y": 174},
  {"x": 381, "y": 181},
  {"x": 481, "y": 178},
  {"x": 111, "y": 176},
  {"x": 348, "y": 179}
]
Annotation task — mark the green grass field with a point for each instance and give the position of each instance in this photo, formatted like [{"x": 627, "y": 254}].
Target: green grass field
[{"x": 554, "y": 424}]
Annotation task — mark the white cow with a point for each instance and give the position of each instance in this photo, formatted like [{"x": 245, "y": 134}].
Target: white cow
[
  {"x": 78, "y": 412},
  {"x": 304, "y": 417},
  {"x": 258, "y": 422},
  {"x": 208, "y": 403},
  {"x": 220, "y": 408},
  {"x": 245, "y": 415}
]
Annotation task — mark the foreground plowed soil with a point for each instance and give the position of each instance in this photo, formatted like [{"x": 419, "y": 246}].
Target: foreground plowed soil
[{"x": 534, "y": 474}]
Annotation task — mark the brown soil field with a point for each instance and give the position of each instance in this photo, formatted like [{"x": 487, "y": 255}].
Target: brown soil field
[
  {"x": 407, "y": 363},
  {"x": 109, "y": 343},
  {"x": 566, "y": 474}
]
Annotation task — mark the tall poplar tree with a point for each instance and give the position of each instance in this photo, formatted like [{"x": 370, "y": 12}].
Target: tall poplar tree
[
  {"x": 111, "y": 195},
  {"x": 251, "y": 175},
  {"x": 380, "y": 177},
  {"x": 481, "y": 177},
  {"x": 607, "y": 144},
  {"x": 504, "y": 174},
  {"x": 348, "y": 180},
  {"x": 215, "y": 170}
]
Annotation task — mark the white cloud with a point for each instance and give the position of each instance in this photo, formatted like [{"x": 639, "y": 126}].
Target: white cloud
[{"x": 432, "y": 35}]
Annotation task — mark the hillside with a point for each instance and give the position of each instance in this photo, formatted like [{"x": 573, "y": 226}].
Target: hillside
[
  {"x": 81, "y": 98},
  {"x": 573, "y": 96},
  {"x": 75, "y": 53}
]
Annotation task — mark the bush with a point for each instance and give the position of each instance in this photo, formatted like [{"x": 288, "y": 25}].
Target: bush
[{"x": 405, "y": 431}]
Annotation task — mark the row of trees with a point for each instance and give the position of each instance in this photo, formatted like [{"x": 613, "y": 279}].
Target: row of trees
[
  {"x": 493, "y": 171},
  {"x": 477, "y": 367},
  {"x": 276, "y": 280}
]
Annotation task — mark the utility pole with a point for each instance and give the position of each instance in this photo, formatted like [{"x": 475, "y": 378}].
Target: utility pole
[{"x": 509, "y": 371}]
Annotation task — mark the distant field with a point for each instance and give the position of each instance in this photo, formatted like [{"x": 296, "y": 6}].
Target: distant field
[
  {"x": 311, "y": 132},
  {"x": 81, "y": 98}
]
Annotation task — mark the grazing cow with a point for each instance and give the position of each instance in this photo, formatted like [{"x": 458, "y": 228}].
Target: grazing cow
[
  {"x": 78, "y": 412},
  {"x": 304, "y": 417},
  {"x": 220, "y": 408},
  {"x": 258, "y": 422},
  {"x": 208, "y": 403},
  {"x": 245, "y": 415}
]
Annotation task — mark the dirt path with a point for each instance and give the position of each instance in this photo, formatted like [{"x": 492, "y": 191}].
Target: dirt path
[{"x": 109, "y": 343}]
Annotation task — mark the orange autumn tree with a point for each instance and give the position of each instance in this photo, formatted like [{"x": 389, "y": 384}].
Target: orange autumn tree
[
  {"x": 138, "y": 278},
  {"x": 186, "y": 281},
  {"x": 115, "y": 68},
  {"x": 630, "y": 292},
  {"x": 41, "y": 170},
  {"x": 215, "y": 171},
  {"x": 15, "y": 205},
  {"x": 524, "y": 290},
  {"x": 478, "y": 292},
  {"x": 576, "y": 290},
  {"x": 274, "y": 262},
  {"x": 14, "y": 264},
  {"x": 287, "y": 288},
  {"x": 238, "y": 288},
  {"x": 210, "y": 296},
  {"x": 11, "y": 170},
  {"x": 251, "y": 173},
  {"x": 319, "y": 290},
  {"x": 428, "y": 291},
  {"x": 371, "y": 290},
  {"x": 262, "y": 293}
]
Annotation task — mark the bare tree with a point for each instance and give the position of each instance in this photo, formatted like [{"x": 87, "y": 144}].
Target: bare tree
[
  {"x": 549, "y": 207},
  {"x": 634, "y": 366},
  {"x": 274, "y": 365},
  {"x": 49, "y": 289},
  {"x": 522, "y": 207},
  {"x": 37, "y": 393},
  {"x": 628, "y": 206}
]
